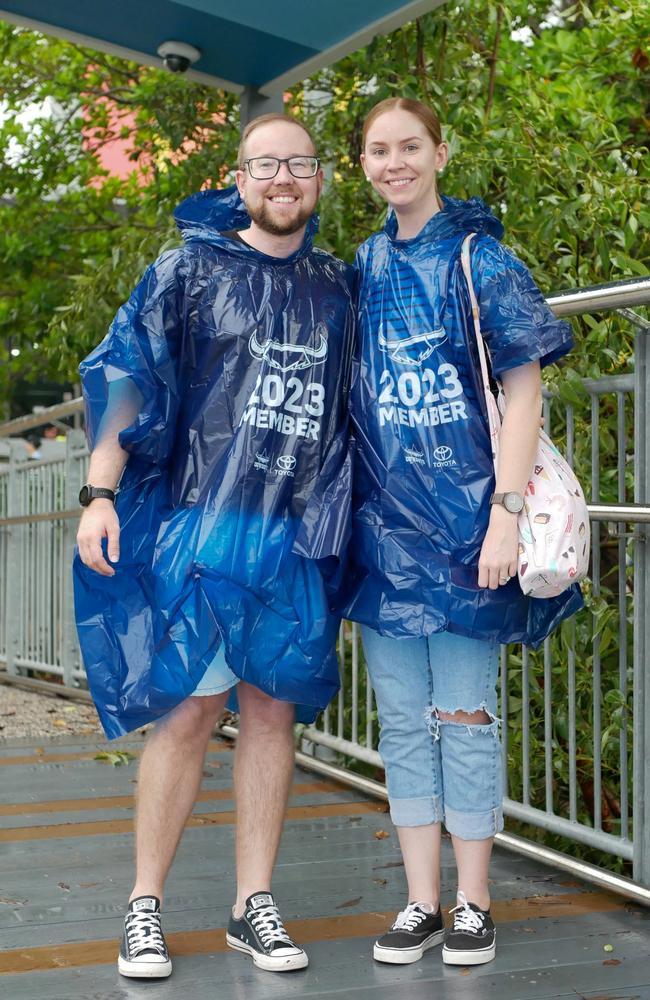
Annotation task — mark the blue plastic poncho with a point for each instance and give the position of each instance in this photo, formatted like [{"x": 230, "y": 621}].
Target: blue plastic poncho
[
  {"x": 228, "y": 372},
  {"x": 424, "y": 470}
]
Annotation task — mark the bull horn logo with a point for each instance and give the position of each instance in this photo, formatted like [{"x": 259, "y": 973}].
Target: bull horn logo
[
  {"x": 287, "y": 357},
  {"x": 398, "y": 347}
]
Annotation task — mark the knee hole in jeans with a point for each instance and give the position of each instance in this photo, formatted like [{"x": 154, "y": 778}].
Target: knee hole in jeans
[{"x": 476, "y": 720}]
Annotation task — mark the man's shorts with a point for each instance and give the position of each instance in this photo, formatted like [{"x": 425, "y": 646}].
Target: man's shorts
[{"x": 217, "y": 678}]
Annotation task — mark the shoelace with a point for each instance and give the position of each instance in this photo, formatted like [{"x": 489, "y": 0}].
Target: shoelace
[
  {"x": 409, "y": 918},
  {"x": 268, "y": 924},
  {"x": 466, "y": 919},
  {"x": 143, "y": 931}
]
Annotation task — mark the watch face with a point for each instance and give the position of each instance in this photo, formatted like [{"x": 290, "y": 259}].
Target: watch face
[
  {"x": 84, "y": 496},
  {"x": 513, "y": 502}
]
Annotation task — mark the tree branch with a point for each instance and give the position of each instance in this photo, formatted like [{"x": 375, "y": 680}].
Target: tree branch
[
  {"x": 442, "y": 50},
  {"x": 95, "y": 58},
  {"x": 492, "y": 62},
  {"x": 420, "y": 62}
]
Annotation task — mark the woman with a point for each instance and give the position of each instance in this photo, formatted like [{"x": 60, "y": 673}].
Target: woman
[{"x": 434, "y": 544}]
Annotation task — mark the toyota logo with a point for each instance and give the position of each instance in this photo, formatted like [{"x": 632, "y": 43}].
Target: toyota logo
[
  {"x": 443, "y": 453},
  {"x": 286, "y": 463}
]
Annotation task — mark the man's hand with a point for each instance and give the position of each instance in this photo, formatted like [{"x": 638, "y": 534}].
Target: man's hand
[{"x": 99, "y": 521}]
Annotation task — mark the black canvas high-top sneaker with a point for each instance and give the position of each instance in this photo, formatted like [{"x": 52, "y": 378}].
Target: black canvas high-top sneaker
[
  {"x": 260, "y": 933},
  {"x": 143, "y": 951}
]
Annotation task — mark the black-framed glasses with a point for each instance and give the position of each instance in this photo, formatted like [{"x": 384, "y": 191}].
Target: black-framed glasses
[{"x": 263, "y": 168}]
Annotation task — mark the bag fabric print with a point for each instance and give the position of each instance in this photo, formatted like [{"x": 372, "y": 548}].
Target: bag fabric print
[{"x": 554, "y": 524}]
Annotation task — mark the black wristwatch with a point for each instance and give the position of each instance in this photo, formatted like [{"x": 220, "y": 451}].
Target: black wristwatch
[
  {"x": 513, "y": 502},
  {"x": 89, "y": 493}
]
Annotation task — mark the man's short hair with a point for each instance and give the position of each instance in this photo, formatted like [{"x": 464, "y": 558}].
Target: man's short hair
[{"x": 273, "y": 116}]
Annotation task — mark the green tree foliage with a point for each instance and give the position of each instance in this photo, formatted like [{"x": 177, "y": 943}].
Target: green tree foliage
[
  {"x": 73, "y": 240},
  {"x": 553, "y": 134}
]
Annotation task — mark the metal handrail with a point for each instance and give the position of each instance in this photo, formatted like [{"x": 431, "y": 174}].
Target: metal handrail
[
  {"x": 631, "y": 513},
  {"x": 45, "y": 416},
  {"x": 628, "y": 513},
  {"x": 596, "y": 298}
]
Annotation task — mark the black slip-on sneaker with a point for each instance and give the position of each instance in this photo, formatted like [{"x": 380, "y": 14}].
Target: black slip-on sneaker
[
  {"x": 472, "y": 940},
  {"x": 413, "y": 932}
]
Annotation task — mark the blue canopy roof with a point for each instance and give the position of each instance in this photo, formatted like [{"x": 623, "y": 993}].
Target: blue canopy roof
[{"x": 251, "y": 43}]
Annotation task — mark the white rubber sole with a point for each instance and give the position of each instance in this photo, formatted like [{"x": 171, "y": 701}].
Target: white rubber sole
[
  {"x": 144, "y": 970},
  {"x": 284, "y": 963},
  {"x": 452, "y": 957},
  {"x": 406, "y": 956}
]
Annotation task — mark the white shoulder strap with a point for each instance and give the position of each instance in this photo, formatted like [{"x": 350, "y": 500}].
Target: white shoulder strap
[{"x": 493, "y": 413}]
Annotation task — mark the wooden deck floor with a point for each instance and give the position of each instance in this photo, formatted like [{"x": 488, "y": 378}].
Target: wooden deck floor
[{"x": 65, "y": 873}]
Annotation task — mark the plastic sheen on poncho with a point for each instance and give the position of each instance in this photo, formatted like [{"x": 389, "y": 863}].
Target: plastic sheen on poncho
[
  {"x": 228, "y": 371},
  {"x": 423, "y": 467}
]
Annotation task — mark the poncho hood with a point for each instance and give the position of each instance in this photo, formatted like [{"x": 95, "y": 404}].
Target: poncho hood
[
  {"x": 206, "y": 215},
  {"x": 457, "y": 218}
]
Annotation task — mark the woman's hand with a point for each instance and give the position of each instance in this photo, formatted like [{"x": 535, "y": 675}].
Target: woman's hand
[
  {"x": 517, "y": 446},
  {"x": 498, "y": 560},
  {"x": 99, "y": 521}
]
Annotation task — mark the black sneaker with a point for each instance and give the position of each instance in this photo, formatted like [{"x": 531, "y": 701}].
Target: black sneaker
[
  {"x": 260, "y": 933},
  {"x": 472, "y": 940},
  {"x": 143, "y": 952},
  {"x": 413, "y": 932}
]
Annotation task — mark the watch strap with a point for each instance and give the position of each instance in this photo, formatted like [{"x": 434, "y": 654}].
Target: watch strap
[
  {"x": 90, "y": 493},
  {"x": 101, "y": 493}
]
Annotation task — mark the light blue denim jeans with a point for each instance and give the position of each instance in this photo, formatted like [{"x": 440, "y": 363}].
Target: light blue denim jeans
[{"x": 437, "y": 769}]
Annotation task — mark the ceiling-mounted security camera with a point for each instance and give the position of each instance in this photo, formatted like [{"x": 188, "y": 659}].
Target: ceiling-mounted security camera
[{"x": 178, "y": 56}]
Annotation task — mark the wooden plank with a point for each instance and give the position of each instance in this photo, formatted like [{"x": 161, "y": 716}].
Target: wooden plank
[
  {"x": 74, "y": 830},
  {"x": 343, "y": 969},
  {"x": 219, "y": 804},
  {"x": 48, "y": 905},
  {"x": 225, "y": 977},
  {"x": 54, "y": 782},
  {"x": 340, "y": 838},
  {"x": 317, "y": 929},
  {"x": 41, "y": 756},
  {"x": 128, "y": 801}
]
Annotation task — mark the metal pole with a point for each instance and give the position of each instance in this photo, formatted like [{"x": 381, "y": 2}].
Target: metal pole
[
  {"x": 69, "y": 646},
  {"x": 613, "y": 295},
  {"x": 252, "y": 104},
  {"x": 15, "y": 567},
  {"x": 641, "y": 754}
]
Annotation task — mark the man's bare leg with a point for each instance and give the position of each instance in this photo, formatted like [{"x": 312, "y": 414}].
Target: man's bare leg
[
  {"x": 264, "y": 764},
  {"x": 168, "y": 783}
]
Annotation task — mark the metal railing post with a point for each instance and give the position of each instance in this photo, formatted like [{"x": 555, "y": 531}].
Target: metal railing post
[
  {"x": 69, "y": 646},
  {"x": 641, "y": 753},
  {"x": 15, "y": 557}
]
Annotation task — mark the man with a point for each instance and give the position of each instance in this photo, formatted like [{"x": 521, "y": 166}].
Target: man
[{"x": 223, "y": 382}]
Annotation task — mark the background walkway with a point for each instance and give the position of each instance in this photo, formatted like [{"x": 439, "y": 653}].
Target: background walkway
[{"x": 65, "y": 874}]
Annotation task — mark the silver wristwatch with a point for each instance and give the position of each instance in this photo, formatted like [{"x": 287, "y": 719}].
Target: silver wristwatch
[{"x": 512, "y": 501}]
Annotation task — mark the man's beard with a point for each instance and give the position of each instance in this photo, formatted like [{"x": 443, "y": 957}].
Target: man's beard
[{"x": 263, "y": 218}]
